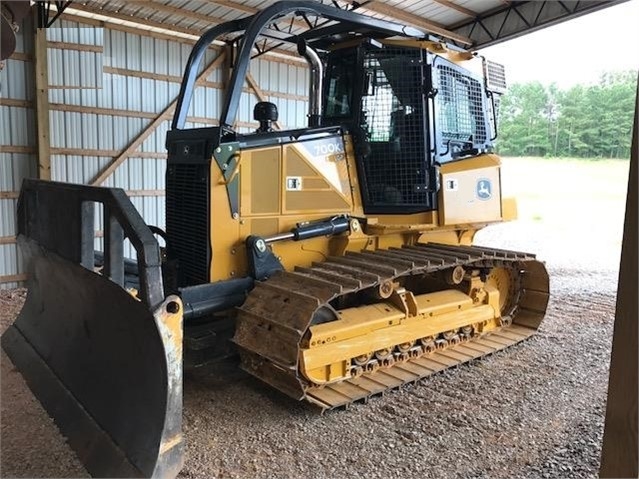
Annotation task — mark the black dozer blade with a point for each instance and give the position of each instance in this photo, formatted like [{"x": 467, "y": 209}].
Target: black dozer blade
[{"x": 107, "y": 366}]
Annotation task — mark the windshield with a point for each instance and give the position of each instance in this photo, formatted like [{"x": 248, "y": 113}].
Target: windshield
[
  {"x": 460, "y": 111},
  {"x": 340, "y": 77}
]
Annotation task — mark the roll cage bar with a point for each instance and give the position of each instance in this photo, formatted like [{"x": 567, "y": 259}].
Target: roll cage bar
[{"x": 253, "y": 26}]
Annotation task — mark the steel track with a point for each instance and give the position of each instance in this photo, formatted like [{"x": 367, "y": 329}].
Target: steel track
[{"x": 277, "y": 313}]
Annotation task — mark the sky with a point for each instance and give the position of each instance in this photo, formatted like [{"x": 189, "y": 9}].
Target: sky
[{"x": 576, "y": 51}]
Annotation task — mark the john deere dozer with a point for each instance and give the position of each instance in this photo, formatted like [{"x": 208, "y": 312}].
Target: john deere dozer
[{"x": 336, "y": 259}]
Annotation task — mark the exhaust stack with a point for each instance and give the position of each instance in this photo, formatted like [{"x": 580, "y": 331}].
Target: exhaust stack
[{"x": 315, "y": 83}]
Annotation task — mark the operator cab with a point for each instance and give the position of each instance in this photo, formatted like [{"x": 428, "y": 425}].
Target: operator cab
[{"x": 410, "y": 111}]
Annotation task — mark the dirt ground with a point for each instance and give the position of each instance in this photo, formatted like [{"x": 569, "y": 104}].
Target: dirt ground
[{"x": 535, "y": 410}]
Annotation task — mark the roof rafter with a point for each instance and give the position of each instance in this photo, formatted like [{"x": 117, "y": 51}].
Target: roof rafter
[
  {"x": 133, "y": 19},
  {"x": 379, "y": 7},
  {"x": 160, "y": 7},
  {"x": 454, "y": 6},
  {"x": 518, "y": 18},
  {"x": 235, "y": 6},
  {"x": 246, "y": 9}
]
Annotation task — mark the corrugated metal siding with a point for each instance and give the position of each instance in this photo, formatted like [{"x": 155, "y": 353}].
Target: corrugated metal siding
[
  {"x": 18, "y": 129},
  {"x": 111, "y": 132},
  {"x": 75, "y": 68}
]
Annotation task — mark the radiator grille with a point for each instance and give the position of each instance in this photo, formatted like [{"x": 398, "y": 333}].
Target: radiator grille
[
  {"x": 460, "y": 111},
  {"x": 187, "y": 221}
]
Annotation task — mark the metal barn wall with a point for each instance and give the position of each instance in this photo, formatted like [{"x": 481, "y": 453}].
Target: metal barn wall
[
  {"x": 106, "y": 86},
  {"x": 17, "y": 148}
]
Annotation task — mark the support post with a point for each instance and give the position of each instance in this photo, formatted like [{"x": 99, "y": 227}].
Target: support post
[
  {"x": 42, "y": 100},
  {"x": 619, "y": 452}
]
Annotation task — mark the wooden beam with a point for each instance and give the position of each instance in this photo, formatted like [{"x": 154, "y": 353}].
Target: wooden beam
[
  {"x": 251, "y": 10},
  {"x": 9, "y": 195},
  {"x": 76, "y": 46},
  {"x": 156, "y": 76},
  {"x": 73, "y": 87},
  {"x": 210, "y": 121},
  {"x": 177, "y": 79},
  {"x": 201, "y": 119},
  {"x": 130, "y": 114},
  {"x": 42, "y": 101},
  {"x": 17, "y": 149},
  {"x": 619, "y": 451},
  {"x": 409, "y": 18},
  {"x": 16, "y": 103},
  {"x": 101, "y": 111},
  {"x": 209, "y": 20},
  {"x": 143, "y": 74},
  {"x": 7, "y": 240},
  {"x": 459, "y": 8},
  {"x": 130, "y": 149},
  {"x": 156, "y": 155},
  {"x": 146, "y": 193},
  {"x": 13, "y": 278},
  {"x": 4, "y": 195},
  {"x": 133, "y": 19},
  {"x": 234, "y": 6},
  {"x": 83, "y": 152},
  {"x": 112, "y": 24},
  {"x": 23, "y": 57},
  {"x": 106, "y": 153},
  {"x": 260, "y": 94}
]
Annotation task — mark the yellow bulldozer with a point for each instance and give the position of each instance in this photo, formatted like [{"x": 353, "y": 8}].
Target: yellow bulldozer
[{"x": 336, "y": 259}]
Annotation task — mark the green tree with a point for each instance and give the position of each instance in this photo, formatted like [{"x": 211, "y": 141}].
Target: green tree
[
  {"x": 588, "y": 121},
  {"x": 523, "y": 122}
]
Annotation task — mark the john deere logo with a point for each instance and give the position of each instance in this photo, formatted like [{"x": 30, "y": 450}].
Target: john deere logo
[{"x": 484, "y": 189}]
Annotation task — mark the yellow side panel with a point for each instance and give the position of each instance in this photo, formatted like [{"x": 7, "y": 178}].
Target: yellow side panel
[
  {"x": 509, "y": 209},
  {"x": 260, "y": 181},
  {"x": 297, "y": 166},
  {"x": 324, "y": 201},
  {"x": 280, "y": 186},
  {"x": 227, "y": 256},
  {"x": 264, "y": 226},
  {"x": 471, "y": 191},
  {"x": 315, "y": 178}
]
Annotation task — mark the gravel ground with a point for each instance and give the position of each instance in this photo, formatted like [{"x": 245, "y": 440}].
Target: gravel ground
[{"x": 535, "y": 410}]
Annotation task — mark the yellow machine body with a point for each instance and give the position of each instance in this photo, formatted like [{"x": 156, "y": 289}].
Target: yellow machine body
[
  {"x": 283, "y": 185},
  {"x": 406, "y": 294}
]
